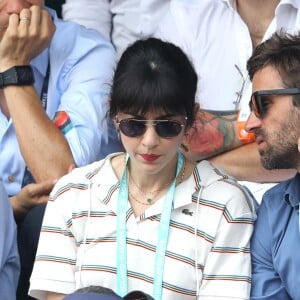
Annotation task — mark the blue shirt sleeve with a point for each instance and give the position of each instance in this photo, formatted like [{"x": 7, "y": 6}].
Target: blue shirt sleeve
[
  {"x": 9, "y": 258},
  {"x": 79, "y": 88},
  {"x": 266, "y": 282}
]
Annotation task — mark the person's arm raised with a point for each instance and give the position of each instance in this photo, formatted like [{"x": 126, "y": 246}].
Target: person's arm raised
[{"x": 44, "y": 148}]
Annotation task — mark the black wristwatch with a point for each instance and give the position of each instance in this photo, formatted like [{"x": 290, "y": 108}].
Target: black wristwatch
[{"x": 17, "y": 75}]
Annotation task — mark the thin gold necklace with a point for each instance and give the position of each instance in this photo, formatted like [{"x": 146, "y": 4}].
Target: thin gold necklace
[{"x": 150, "y": 200}]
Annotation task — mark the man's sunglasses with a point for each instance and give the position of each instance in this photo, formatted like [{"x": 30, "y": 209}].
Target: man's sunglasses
[
  {"x": 136, "y": 127},
  {"x": 259, "y": 102}
]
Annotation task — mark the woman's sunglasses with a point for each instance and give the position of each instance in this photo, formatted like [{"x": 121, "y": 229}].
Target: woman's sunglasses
[
  {"x": 259, "y": 102},
  {"x": 164, "y": 128}
]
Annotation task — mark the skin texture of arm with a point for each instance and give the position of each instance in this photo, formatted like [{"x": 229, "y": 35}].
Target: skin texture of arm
[
  {"x": 215, "y": 138},
  {"x": 243, "y": 163},
  {"x": 43, "y": 146},
  {"x": 54, "y": 296}
]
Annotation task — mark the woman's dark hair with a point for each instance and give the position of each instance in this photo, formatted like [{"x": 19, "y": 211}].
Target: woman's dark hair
[
  {"x": 154, "y": 75},
  {"x": 281, "y": 51}
]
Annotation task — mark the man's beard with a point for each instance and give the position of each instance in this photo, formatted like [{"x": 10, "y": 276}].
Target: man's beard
[{"x": 272, "y": 158}]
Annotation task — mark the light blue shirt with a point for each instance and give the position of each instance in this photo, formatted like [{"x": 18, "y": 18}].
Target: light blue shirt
[
  {"x": 9, "y": 257},
  {"x": 82, "y": 64},
  {"x": 275, "y": 244}
]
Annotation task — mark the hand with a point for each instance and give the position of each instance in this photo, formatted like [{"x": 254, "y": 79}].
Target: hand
[
  {"x": 31, "y": 195},
  {"x": 26, "y": 36}
]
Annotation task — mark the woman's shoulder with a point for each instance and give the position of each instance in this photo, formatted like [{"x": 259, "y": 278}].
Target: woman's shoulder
[
  {"x": 82, "y": 177},
  {"x": 217, "y": 186}
]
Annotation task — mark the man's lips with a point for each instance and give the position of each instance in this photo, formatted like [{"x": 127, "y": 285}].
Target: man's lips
[
  {"x": 150, "y": 157},
  {"x": 259, "y": 140}
]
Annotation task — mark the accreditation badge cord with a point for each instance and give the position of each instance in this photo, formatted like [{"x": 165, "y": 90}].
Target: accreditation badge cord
[{"x": 162, "y": 240}]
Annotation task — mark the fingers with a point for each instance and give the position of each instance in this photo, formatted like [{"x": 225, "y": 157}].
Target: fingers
[
  {"x": 42, "y": 188},
  {"x": 27, "y": 35},
  {"x": 24, "y": 23}
]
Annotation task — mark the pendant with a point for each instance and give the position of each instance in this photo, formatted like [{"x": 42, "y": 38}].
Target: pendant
[{"x": 149, "y": 200}]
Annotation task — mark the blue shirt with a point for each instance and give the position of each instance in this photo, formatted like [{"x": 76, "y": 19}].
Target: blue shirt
[
  {"x": 275, "y": 244},
  {"x": 9, "y": 257},
  {"x": 82, "y": 64}
]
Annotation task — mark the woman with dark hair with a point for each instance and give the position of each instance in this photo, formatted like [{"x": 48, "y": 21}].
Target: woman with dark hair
[{"x": 148, "y": 219}]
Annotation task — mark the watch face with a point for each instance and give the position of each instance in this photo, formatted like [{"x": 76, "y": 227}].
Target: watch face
[{"x": 24, "y": 75}]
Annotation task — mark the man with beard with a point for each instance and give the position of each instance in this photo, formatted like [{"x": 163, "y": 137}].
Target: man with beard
[{"x": 274, "y": 69}]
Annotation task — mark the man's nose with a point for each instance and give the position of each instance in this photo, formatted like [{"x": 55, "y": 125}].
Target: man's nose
[{"x": 252, "y": 122}]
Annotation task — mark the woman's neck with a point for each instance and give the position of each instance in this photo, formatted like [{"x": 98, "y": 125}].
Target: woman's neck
[
  {"x": 152, "y": 182},
  {"x": 257, "y": 14}
]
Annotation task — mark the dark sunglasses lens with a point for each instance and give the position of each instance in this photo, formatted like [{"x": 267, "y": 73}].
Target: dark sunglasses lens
[
  {"x": 132, "y": 128},
  {"x": 168, "y": 128},
  {"x": 255, "y": 105}
]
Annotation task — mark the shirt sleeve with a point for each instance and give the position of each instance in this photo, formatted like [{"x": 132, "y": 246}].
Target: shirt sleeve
[
  {"x": 54, "y": 267},
  {"x": 9, "y": 258},
  {"x": 83, "y": 87},
  {"x": 89, "y": 13},
  {"x": 227, "y": 270},
  {"x": 266, "y": 283}
]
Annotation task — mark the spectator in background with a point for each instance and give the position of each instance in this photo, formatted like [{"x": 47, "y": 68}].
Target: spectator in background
[
  {"x": 54, "y": 115},
  {"x": 148, "y": 219},
  {"x": 274, "y": 69},
  {"x": 121, "y": 21},
  {"x": 9, "y": 257},
  {"x": 219, "y": 36},
  {"x": 93, "y": 293},
  {"x": 102, "y": 293}
]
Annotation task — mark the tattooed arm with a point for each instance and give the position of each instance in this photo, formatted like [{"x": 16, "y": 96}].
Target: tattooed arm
[
  {"x": 214, "y": 137},
  {"x": 212, "y": 133}
]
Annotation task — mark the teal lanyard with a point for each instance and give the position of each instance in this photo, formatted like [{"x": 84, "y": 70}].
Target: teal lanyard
[{"x": 162, "y": 239}]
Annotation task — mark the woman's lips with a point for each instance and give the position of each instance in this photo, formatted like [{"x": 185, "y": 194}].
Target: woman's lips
[{"x": 149, "y": 157}]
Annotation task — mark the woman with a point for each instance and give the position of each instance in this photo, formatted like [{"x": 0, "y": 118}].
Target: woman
[{"x": 147, "y": 219}]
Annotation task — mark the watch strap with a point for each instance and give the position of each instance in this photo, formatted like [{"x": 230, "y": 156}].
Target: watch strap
[{"x": 17, "y": 75}]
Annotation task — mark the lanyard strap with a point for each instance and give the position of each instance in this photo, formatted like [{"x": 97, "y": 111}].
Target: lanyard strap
[{"x": 162, "y": 239}]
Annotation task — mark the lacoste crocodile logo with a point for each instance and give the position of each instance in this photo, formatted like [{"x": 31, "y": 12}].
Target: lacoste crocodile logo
[{"x": 187, "y": 212}]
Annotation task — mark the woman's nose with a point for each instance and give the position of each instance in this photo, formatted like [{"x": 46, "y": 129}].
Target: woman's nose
[{"x": 150, "y": 138}]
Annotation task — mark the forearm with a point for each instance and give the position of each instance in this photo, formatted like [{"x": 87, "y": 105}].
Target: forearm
[
  {"x": 211, "y": 134},
  {"x": 44, "y": 148},
  {"x": 243, "y": 163},
  {"x": 54, "y": 296},
  {"x": 215, "y": 137}
]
